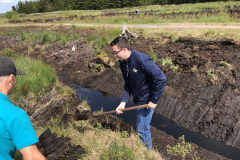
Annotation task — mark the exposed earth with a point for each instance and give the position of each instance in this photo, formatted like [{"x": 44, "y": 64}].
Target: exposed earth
[{"x": 202, "y": 95}]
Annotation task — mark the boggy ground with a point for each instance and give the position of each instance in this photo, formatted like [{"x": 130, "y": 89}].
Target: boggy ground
[{"x": 202, "y": 95}]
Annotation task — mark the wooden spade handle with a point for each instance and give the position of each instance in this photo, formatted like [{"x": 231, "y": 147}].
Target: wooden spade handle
[{"x": 125, "y": 109}]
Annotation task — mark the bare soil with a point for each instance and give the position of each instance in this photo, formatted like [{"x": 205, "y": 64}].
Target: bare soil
[{"x": 202, "y": 95}]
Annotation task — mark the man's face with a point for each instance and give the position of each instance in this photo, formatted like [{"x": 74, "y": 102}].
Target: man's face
[{"x": 119, "y": 53}]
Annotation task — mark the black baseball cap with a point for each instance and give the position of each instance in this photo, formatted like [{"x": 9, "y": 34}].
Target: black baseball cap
[{"x": 7, "y": 67}]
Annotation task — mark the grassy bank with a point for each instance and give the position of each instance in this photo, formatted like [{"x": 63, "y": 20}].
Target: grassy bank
[
  {"x": 99, "y": 143},
  {"x": 98, "y": 37},
  {"x": 101, "y": 36}
]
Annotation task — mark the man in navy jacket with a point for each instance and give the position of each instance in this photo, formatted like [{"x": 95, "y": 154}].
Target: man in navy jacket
[{"x": 144, "y": 80}]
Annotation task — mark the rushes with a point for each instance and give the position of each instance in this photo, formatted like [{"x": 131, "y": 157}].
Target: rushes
[
  {"x": 46, "y": 37},
  {"x": 152, "y": 55},
  {"x": 38, "y": 77}
]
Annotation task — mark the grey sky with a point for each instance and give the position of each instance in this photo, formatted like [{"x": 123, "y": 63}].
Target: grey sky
[{"x": 6, "y": 5}]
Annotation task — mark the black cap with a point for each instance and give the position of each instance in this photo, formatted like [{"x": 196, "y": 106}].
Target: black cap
[{"x": 7, "y": 67}]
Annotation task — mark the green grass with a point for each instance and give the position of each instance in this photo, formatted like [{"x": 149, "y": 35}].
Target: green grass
[
  {"x": 38, "y": 77},
  {"x": 102, "y": 35},
  {"x": 191, "y": 32},
  {"x": 90, "y": 38},
  {"x": 181, "y": 149},
  {"x": 168, "y": 60},
  {"x": 141, "y": 18},
  {"x": 116, "y": 151},
  {"x": 45, "y": 37},
  {"x": 9, "y": 33},
  {"x": 152, "y": 54},
  {"x": 99, "y": 143},
  {"x": 99, "y": 43},
  {"x": 223, "y": 63},
  {"x": 8, "y": 53}
]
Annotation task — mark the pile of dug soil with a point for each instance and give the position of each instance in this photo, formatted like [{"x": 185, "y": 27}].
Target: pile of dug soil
[{"x": 58, "y": 148}]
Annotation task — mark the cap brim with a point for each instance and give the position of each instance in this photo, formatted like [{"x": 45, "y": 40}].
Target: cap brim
[{"x": 19, "y": 72}]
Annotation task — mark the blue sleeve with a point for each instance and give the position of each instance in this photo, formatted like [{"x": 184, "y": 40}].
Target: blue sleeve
[
  {"x": 23, "y": 133},
  {"x": 159, "y": 79}
]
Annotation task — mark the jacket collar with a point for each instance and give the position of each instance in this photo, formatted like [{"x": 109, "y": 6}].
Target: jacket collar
[{"x": 131, "y": 55}]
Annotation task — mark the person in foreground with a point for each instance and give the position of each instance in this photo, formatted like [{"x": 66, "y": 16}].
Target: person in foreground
[
  {"x": 16, "y": 130},
  {"x": 144, "y": 80}
]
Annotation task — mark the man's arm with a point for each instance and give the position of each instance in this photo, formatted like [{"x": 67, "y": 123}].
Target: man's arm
[
  {"x": 31, "y": 153},
  {"x": 159, "y": 80}
]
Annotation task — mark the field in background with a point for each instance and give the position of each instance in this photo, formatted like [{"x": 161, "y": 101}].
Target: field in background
[{"x": 217, "y": 12}]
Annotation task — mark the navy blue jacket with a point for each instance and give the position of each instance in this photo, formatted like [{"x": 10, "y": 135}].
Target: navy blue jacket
[{"x": 143, "y": 79}]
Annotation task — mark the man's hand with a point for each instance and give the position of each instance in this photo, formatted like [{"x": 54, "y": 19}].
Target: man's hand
[
  {"x": 151, "y": 105},
  {"x": 120, "y": 107}
]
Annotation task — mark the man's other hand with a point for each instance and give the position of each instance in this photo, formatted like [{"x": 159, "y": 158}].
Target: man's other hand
[
  {"x": 151, "y": 105},
  {"x": 120, "y": 107}
]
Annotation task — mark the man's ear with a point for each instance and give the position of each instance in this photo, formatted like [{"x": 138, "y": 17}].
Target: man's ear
[{"x": 11, "y": 77}]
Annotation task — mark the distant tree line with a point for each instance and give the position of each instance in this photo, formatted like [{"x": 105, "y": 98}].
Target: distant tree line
[{"x": 40, "y": 6}]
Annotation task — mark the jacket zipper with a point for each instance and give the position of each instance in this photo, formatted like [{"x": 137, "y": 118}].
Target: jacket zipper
[{"x": 127, "y": 68}]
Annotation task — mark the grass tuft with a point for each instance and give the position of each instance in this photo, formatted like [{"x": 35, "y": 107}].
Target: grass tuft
[
  {"x": 38, "y": 77},
  {"x": 8, "y": 53},
  {"x": 116, "y": 151},
  {"x": 152, "y": 55}
]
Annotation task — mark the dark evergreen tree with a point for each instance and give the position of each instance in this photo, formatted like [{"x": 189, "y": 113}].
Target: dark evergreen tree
[
  {"x": 43, "y": 6},
  {"x": 14, "y": 8},
  {"x": 58, "y": 5}
]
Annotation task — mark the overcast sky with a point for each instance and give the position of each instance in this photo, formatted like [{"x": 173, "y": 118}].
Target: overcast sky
[{"x": 6, "y": 5}]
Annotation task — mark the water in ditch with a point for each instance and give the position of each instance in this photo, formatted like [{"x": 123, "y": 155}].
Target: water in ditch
[{"x": 98, "y": 101}]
